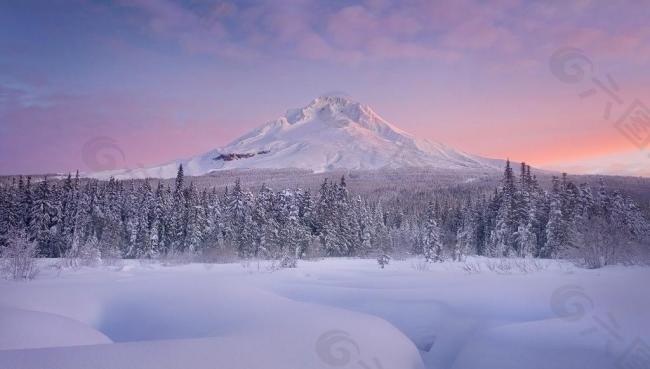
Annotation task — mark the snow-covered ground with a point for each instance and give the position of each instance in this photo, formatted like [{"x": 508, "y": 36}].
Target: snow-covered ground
[{"x": 332, "y": 313}]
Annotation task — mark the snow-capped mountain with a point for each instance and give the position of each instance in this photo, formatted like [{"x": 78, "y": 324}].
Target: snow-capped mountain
[{"x": 330, "y": 133}]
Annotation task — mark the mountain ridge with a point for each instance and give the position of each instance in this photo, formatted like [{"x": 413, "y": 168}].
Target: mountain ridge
[{"x": 330, "y": 133}]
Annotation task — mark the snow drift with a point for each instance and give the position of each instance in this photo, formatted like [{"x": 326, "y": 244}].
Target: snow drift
[{"x": 344, "y": 313}]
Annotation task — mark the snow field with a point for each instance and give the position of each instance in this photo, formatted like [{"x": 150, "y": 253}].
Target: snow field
[{"x": 324, "y": 314}]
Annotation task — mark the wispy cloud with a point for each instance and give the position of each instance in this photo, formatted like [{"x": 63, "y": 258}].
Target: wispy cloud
[{"x": 438, "y": 68}]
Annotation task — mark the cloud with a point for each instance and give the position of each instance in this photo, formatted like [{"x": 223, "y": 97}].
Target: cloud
[{"x": 300, "y": 28}]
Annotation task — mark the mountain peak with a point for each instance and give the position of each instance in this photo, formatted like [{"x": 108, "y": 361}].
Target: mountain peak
[
  {"x": 333, "y": 108},
  {"x": 332, "y": 100},
  {"x": 331, "y": 132}
]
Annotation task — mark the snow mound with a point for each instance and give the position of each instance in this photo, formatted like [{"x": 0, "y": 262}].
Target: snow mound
[
  {"x": 22, "y": 329},
  {"x": 195, "y": 317},
  {"x": 344, "y": 313}
]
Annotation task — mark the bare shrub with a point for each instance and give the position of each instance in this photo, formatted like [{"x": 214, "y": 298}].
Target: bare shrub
[
  {"x": 19, "y": 258},
  {"x": 178, "y": 258},
  {"x": 110, "y": 254},
  {"x": 528, "y": 265},
  {"x": 605, "y": 242},
  {"x": 420, "y": 265},
  {"x": 472, "y": 267},
  {"x": 288, "y": 262},
  {"x": 501, "y": 266},
  {"x": 86, "y": 254},
  {"x": 515, "y": 265},
  {"x": 383, "y": 260},
  {"x": 219, "y": 254}
]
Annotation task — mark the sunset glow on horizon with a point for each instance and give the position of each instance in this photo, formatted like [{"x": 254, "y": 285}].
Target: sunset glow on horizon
[{"x": 169, "y": 79}]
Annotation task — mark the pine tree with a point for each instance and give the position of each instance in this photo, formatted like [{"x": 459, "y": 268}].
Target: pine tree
[
  {"x": 432, "y": 237},
  {"x": 40, "y": 220},
  {"x": 556, "y": 228},
  {"x": 240, "y": 221},
  {"x": 157, "y": 229},
  {"x": 379, "y": 238},
  {"x": 194, "y": 221},
  {"x": 176, "y": 227},
  {"x": 292, "y": 235},
  {"x": 363, "y": 226},
  {"x": 326, "y": 213},
  {"x": 267, "y": 229},
  {"x": 110, "y": 217},
  {"x": 214, "y": 222},
  {"x": 25, "y": 201},
  {"x": 525, "y": 241},
  {"x": 501, "y": 237},
  {"x": 344, "y": 227},
  {"x": 9, "y": 211},
  {"x": 467, "y": 234},
  {"x": 143, "y": 215}
]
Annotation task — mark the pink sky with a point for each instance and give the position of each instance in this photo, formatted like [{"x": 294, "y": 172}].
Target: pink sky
[{"x": 165, "y": 79}]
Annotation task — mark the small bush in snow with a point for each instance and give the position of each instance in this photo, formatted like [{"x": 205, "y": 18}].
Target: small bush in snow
[
  {"x": 383, "y": 260},
  {"x": 528, "y": 265},
  {"x": 420, "y": 265},
  {"x": 472, "y": 267},
  {"x": 515, "y": 265},
  {"x": 19, "y": 258},
  {"x": 288, "y": 262},
  {"x": 500, "y": 266}
]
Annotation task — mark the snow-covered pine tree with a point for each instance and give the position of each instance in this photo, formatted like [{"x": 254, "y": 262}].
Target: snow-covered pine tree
[
  {"x": 466, "y": 237},
  {"x": 292, "y": 235},
  {"x": 556, "y": 228},
  {"x": 9, "y": 222},
  {"x": 109, "y": 216},
  {"x": 380, "y": 240},
  {"x": 25, "y": 204},
  {"x": 215, "y": 228},
  {"x": 67, "y": 216},
  {"x": 326, "y": 222},
  {"x": 157, "y": 228},
  {"x": 501, "y": 238},
  {"x": 239, "y": 213},
  {"x": 194, "y": 220},
  {"x": 569, "y": 196},
  {"x": 265, "y": 234},
  {"x": 363, "y": 226},
  {"x": 306, "y": 209},
  {"x": 177, "y": 217},
  {"x": 432, "y": 237},
  {"x": 143, "y": 217},
  {"x": 203, "y": 221},
  {"x": 40, "y": 220},
  {"x": 525, "y": 241},
  {"x": 345, "y": 235}
]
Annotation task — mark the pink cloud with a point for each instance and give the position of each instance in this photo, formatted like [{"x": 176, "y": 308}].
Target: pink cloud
[{"x": 352, "y": 26}]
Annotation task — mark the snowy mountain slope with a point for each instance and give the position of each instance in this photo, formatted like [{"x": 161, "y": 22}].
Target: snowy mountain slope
[{"x": 330, "y": 133}]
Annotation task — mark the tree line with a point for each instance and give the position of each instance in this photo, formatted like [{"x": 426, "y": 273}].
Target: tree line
[{"x": 95, "y": 220}]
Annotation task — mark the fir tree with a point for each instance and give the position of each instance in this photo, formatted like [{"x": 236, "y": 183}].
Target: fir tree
[{"x": 432, "y": 237}]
